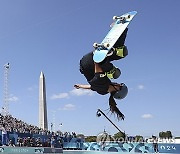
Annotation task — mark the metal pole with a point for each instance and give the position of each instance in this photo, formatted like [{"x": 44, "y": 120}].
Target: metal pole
[
  {"x": 6, "y": 90},
  {"x": 109, "y": 120}
]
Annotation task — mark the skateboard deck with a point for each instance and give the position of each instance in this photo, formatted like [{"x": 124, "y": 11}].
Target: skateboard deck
[{"x": 120, "y": 24}]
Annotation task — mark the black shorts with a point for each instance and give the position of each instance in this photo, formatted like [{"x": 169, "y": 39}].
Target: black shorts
[
  {"x": 100, "y": 83},
  {"x": 87, "y": 66}
]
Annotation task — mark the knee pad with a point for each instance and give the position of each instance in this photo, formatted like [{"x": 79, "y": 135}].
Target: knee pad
[{"x": 122, "y": 51}]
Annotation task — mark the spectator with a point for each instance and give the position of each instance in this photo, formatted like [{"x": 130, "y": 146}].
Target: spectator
[
  {"x": 52, "y": 142},
  {"x": 4, "y": 135},
  {"x": 155, "y": 144},
  {"x": 29, "y": 135},
  {"x": 11, "y": 143}
]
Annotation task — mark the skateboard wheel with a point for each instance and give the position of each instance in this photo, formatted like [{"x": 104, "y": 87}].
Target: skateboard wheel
[
  {"x": 115, "y": 18},
  {"x": 95, "y": 45},
  {"x": 129, "y": 16},
  {"x": 106, "y": 45}
]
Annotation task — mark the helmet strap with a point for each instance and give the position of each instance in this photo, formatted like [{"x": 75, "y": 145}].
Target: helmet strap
[{"x": 114, "y": 86}]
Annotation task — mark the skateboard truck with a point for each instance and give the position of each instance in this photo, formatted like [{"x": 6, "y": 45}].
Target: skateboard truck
[
  {"x": 122, "y": 19},
  {"x": 104, "y": 45}
]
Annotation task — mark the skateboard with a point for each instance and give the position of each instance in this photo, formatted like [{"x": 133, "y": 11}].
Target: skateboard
[{"x": 118, "y": 27}]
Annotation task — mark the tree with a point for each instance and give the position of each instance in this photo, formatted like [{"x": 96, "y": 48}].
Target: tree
[
  {"x": 139, "y": 138},
  {"x": 169, "y": 134},
  {"x": 119, "y": 136},
  {"x": 90, "y": 139},
  {"x": 166, "y": 134}
]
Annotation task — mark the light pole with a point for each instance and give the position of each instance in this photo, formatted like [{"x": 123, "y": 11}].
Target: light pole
[{"x": 5, "y": 108}]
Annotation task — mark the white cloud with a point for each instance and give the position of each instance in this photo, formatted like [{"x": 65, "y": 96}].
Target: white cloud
[
  {"x": 59, "y": 96},
  {"x": 68, "y": 107},
  {"x": 147, "y": 116},
  {"x": 13, "y": 98},
  {"x": 34, "y": 87},
  {"x": 76, "y": 92},
  {"x": 140, "y": 87},
  {"x": 80, "y": 92}
]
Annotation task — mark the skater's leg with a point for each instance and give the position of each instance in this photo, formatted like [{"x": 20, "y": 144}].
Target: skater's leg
[{"x": 120, "y": 42}]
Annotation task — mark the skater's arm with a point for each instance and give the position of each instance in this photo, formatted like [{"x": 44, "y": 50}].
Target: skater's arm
[{"x": 83, "y": 86}]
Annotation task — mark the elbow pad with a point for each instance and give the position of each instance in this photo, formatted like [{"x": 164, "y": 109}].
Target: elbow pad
[{"x": 114, "y": 73}]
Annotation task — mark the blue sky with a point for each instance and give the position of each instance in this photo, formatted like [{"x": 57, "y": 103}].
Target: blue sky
[{"x": 52, "y": 36}]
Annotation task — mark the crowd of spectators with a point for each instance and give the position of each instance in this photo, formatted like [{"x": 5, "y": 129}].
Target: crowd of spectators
[
  {"x": 32, "y": 136},
  {"x": 15, "y": 125}
]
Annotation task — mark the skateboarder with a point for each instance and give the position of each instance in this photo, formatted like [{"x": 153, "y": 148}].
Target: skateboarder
[
  {"x": 103, "y": 85},
  {"x": 97, "y": 75}
]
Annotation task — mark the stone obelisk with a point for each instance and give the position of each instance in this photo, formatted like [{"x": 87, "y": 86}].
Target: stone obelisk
[{"x": 42, "y": 103}]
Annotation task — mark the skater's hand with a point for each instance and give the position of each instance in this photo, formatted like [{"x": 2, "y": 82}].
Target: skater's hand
[
  {"x": 77, "y": 86},
  {"x": 83, "y": 86}
]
